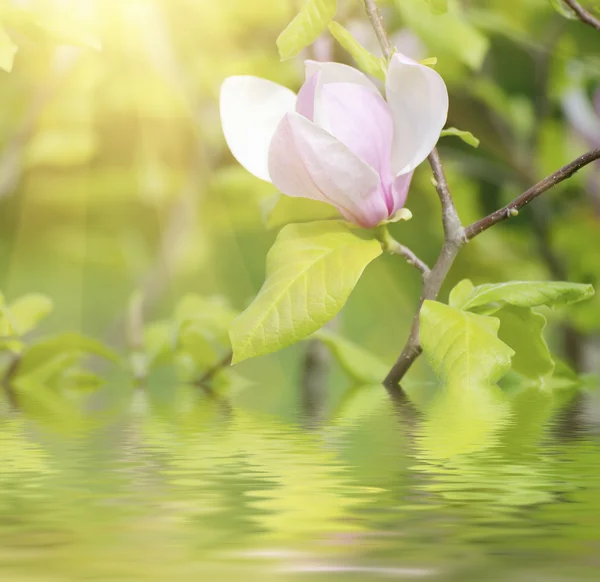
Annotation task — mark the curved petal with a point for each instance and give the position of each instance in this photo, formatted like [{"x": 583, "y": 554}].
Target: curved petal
[
  {"x": 305, "y": 105},
  {"x": 418, "y": 98},
  {"x": 362, "y": 121},
  {"x": 400, "y": 188},
  {"x": 338, "y": 73},
  {"x": 251, "y": 108},
  {"x": 326, "y": 73},
  {"x": 308, "y": 162}
]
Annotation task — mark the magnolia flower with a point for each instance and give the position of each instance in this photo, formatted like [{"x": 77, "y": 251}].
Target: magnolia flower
[{"x": 338, "y": 141}]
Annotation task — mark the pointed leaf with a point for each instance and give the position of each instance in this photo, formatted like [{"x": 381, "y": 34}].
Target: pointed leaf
[
  {"x": 522, "y": 329},
  {"x": 466, "y": 136},
  {"x": 311, "y": 270},
  {"x": 359, "y": 364},
  {"x": 312, "y": 20},
  {"x": 366, "y": 61},
  {"x": 463, "y": 348},
  {"x": 460, "y": 293},
  {"x": 527, "y": 294}
]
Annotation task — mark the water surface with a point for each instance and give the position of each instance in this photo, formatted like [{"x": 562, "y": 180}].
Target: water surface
[{"x": 492, "y": 486}]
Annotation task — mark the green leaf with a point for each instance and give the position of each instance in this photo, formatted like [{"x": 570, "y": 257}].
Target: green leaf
[
  {"x": 210, "y": 316},
  {"x": 526, "y": 294},
  {"x": 311, "y": 270},
  {"x": 359, "y": 364},
  {"x": 366, "y": 61},
  {"x": 313, "y": 19},
  {"x": 8, "y": 50},
  {"x": 440, "y": 32},
  {"x": 64, "y": 344},
  {"x": 466, "y": 136},
  {"x": 463, "y": 348},
  {"x": 438, "y": 6},
  {"x": 522, "y": 329},
  {"x": 28, "y": 311},
  {"x": 460, "y": 293},
  {"x": 280, "y": 210}
]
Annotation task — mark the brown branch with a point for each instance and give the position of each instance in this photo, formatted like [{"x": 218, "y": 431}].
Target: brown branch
[
  {"x": 583, "y": 14},
  {"x": 390, "y": 244},
  {"x": 455, "y": 236},
  {"x": 379, "y": 28},
  {"x": 204, "y": 381},
  {"x": 513, "y": 208},
  {"x": 453, "y": 229}
]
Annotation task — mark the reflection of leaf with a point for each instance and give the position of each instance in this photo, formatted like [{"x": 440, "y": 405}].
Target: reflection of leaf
[
  {"x": 312, "y": 20},
  {"x": 463, "y": 348},
  {"x": 522, "y": 330},
  {"x": 361, "y": 402},
  {"x": 311, "y": 270},
  {"x": 358, "y": 363},
  {"x": 526, "y": 294},
  {"x": 366, "y": 61}
]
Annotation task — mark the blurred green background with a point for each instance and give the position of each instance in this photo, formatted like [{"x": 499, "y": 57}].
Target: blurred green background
[{"x": 115, "y": 178}]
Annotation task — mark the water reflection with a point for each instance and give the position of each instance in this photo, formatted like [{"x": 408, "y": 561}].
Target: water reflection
[{"x": 494, "y": 485}]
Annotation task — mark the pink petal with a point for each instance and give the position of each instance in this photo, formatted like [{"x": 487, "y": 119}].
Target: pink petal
[
  {"x": 400, "y": 191},
  {"x": 362, "y": 121},
  {"x": 306, "y": 161},
  {"x": 305, "y": 105}
]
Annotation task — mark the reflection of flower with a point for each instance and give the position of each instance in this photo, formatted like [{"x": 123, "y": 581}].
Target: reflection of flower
[{"x": 338, "y": 140}]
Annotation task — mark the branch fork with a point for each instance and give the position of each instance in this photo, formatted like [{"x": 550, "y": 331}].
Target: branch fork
[{"x": 455, "y": 235}]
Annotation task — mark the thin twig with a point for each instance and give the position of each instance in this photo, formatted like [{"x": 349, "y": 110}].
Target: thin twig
[
  {"x": 455, "y": 236},
  {"x": 379, "y": 28},
  {"x": 513, "y": 208},
  {"x": 390, "y": 244},
  {"x": 583, "y": 14},
  {"x": 206, "y": 378}
]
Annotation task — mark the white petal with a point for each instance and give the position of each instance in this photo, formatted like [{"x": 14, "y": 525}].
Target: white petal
[
  {"x": 251, "y": 109},
  {"x": 338, "y": 73},
  {"x": 333, "y": 73},
  {"x": 308, "y": 162},
  {"x": 418, "y": 98}
]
